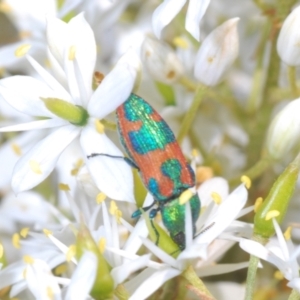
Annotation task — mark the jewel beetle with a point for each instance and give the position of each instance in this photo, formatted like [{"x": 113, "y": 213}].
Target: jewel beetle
[{"x": 153, "y": 150}]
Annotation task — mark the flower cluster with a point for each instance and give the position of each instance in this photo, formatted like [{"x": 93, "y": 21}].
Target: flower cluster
[{"x": 82, "y": 217}]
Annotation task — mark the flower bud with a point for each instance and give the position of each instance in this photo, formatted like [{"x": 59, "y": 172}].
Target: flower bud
[
  {"x": 284, "y": 130},
  {"x": 277, "y": 201},
  {"x": 217, "y": 53},
  {"x": 289, "y": 39},
  {"x": 161, "y": 61}
]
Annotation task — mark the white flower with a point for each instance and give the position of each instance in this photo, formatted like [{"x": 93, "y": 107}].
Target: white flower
[
  {"x": 161, "y": 61},
  {"x": 279, "y": 252},
  {"x": 166, "y": 12},
  {"x": 289, "y": 39},
  {"x": 284, "y": 130},
  {"x": 201, "y": 252},
  {"x": 73, "y": 48},
  {"x": 217, "y": 53}
]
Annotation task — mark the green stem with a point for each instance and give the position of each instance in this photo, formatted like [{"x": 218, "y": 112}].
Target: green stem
[
  {"x": 294, "y": 295},
  {"x": 252, "y": 270},
  {"x": 292, "y": 81},
  {"x": 190, "y": 115},
  {"x": 190, "y": 275},
  {"x": 188, "y": 84}
]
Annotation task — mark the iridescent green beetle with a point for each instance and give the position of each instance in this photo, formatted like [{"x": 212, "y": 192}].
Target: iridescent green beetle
[{"x": 152, "y": 149}]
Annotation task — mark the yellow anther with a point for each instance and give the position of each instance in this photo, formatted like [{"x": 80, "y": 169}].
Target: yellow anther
[
  {"x": 113, "y": 207},
  {"x": 1, "y": 251},
  {"x": 24, "y": 232},
  {"x": 185, "y": 196},
  {"x": 63, "y": 187},
  {"x": 22, "y": 50},
  {"x": 28, "y": 259},
  {"x": 216, "y": 197},
  {"x": 287, "y": 233},
  {"x": 246, "y": 180},
  {"x": 203, "y": 173},
  {"x": 258, "y": 203},
  {"x": 16, "y": 240},
  {"x": 102, "y": 245},
  {"x": 5, "y": 7},
  {"x": 99, "y": 127},
  {"x": 61, "y": 269},
  {"x": 25, "y": 273},
  {"x": 2, "y": 71},
  {"x": 35, "y": 167},
  {"x": 79, "y": 163},
  {"x": 100, "y": 197},
  {"x": 72, "y": 52},
  {"x": 47, "y": 232},
  {"x": 195, "y": 153},
  {"x": 278, "y": 275},
  {"x": 272, "y": 214},
  {"x": 50, "y": 293},
  {"x": 180, "y": 42},
  {"x": 16, "y": 148},
  {"x": 118, "y": 215},
  {"x": 71, "y": 253}
]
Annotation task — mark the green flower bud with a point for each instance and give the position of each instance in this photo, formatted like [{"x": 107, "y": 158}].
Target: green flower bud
[
  {"x": 277, "y": 201},
  {"x": 76, "y": 115},
  {"x": 103, "y": 285}
]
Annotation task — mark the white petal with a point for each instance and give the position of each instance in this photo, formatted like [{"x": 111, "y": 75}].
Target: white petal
[
  {"x": 226, "y": 213},
  {"x": 40, "y": 280},
  {"x": 50, "y": 80},
  {"x": 164, "y": 14},
  {"x": 81, "y": 37},
  {"x": 221, "y": 269},
  {"x": 83, "y": 278},
  {"x": 122, "y": 272},
  {"x": 24, "y": 93},
  {"x": 152, "y": 283},
  {"x": 40, "y": 124},
  {"x": 216, "y": 184},
  {"x": 56, "y": 38},
  {"x": 196, "y": 10},
  {"x": 115, "y": 87},
  {"x": 113, "y": 176},
  {"x": 295, "y": 284},
  {"x": 281, "y": 240},
  {"x": 44, "y": 154}
]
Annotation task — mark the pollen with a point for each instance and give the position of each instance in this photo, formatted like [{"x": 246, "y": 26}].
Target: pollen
[
  {"x": 287, "y": 233},
  {"x": 72, "y": 52},
  {"x": 63, "y": 187},
  {"x": 278, "y": 275},
  {"x": 47, "y": 232},
  {"x": 102, "y": 245},
  {"x": 28, "y": 259},
  {"x": 210, "y": 59},
  {"x": 71, "y": 253},
  {"x": 1, "y": 251},
  {"x": 16, "y": 149},
  {"x": 61, "y": 269},
  {"x": 180, "y": 42},
  {"x": 247, "y": 181},
  {"x": 16, "y": 240},
  {"x": 24, "y": 34},
  {"x": 113, "y": 209},
  {"x": 171, "y": 74},
  {"x": 216, "y": 197},
  {"x": 24, "y": 232},
  {"x": 22, "y": 50},
  {"x": 99, "y": 127},
  {"x": 272, "y": 214},
  {"x": 79, "y": 163},
  {"x": 100, "y": 198},
  {"x": 258, "y": 203},
  {"x": 35, "y": 167},
  {"x": 204, "y": 173},
  {"x": 185, "y": 197}
]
